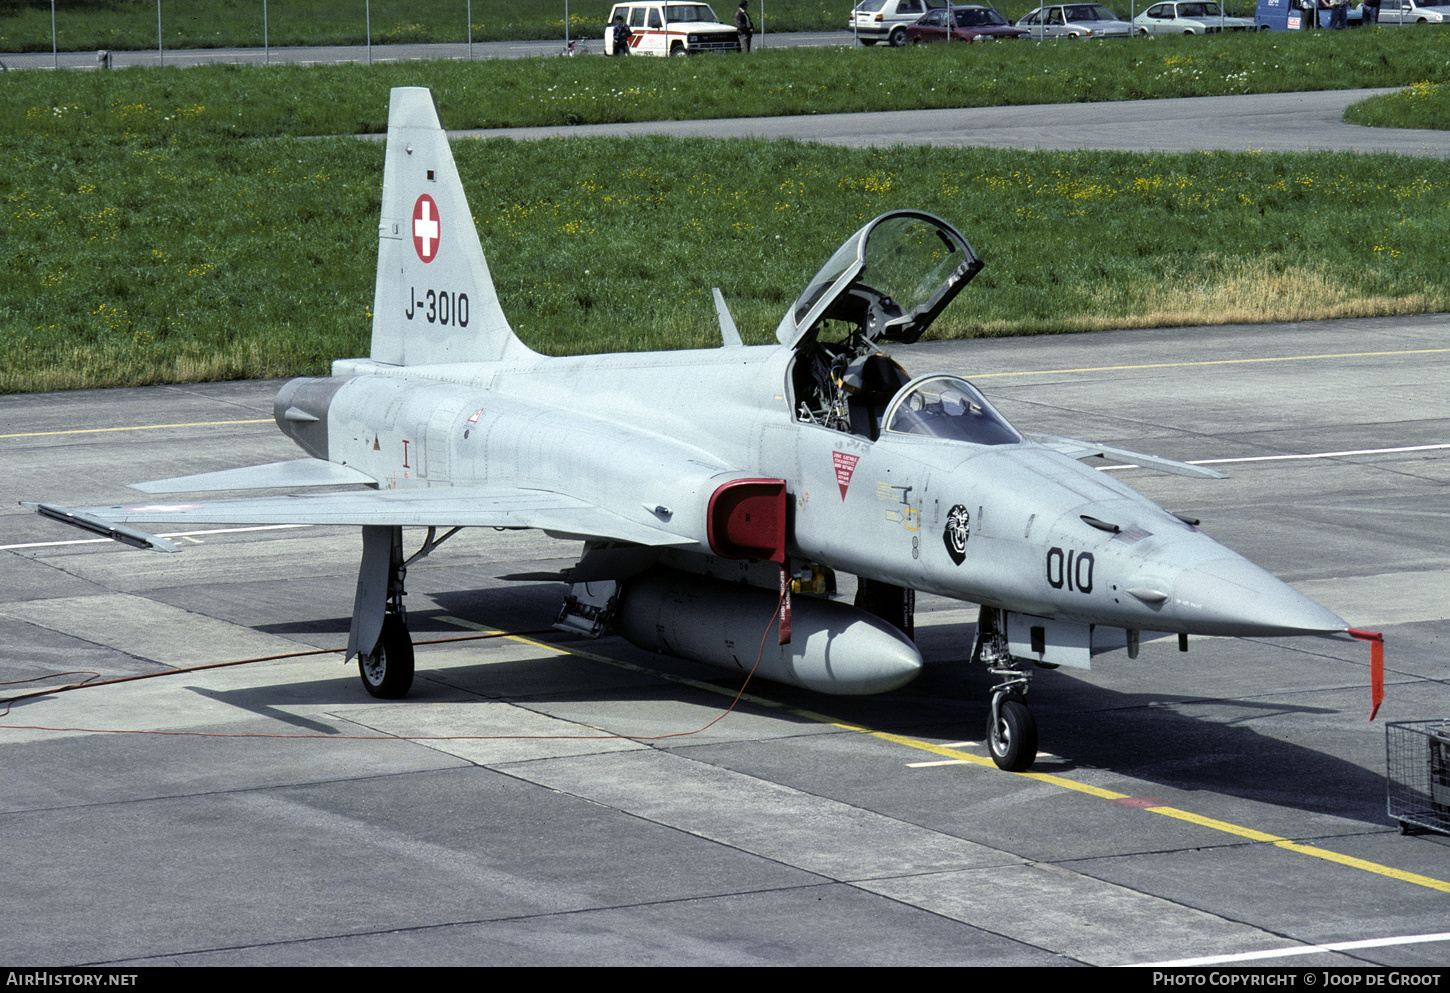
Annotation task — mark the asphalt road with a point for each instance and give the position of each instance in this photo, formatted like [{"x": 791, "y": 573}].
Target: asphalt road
[
  {"x": 1270, "y": 122},
  {"x": 1222, "y": 803}
]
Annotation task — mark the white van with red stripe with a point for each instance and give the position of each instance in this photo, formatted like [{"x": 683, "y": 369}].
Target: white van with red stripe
[{"x": 671, "y": 29}]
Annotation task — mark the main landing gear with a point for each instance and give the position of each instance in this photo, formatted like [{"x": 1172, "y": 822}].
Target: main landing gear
[
  {"x": 387, "y": 671},
  {"x": 379, "y": 619},
  {"x": 1011, "y": 728}
]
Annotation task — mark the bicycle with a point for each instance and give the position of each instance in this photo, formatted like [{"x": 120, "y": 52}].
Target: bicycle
[{"x": 579, "y": 46}]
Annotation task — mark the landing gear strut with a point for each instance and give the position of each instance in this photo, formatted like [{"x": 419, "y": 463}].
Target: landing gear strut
[
  {"x": 1011, "y": 728},
  {"x": 379, "y": 635}
]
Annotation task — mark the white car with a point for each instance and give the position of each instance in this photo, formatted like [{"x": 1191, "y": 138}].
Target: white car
[
  {"x": 1188, "y": 17},
  {"x": 1409, "y": 12},
  {"x": 671, "y": 29},
  {"x": 1075, "y": 20},
  {"x": 887, "y": 20}
]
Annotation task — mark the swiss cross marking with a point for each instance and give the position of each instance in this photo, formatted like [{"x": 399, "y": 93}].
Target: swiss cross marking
[{"x": 425, "y": 228}]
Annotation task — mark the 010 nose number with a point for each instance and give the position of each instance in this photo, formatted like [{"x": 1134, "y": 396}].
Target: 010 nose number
[{"x": 1071, "y": 569}]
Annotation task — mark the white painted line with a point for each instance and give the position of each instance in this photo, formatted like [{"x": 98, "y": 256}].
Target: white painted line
[
  {"x": 1274, "y": 953},
  {"x": 1284, "y": 458},
  {"x": 1323, "y": 455},
  {"x": 175, "y": 534}
]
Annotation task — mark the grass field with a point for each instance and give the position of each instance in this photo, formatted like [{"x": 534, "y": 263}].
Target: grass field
[
  {"x": 1422, "y": 105},
  {"x": 147, "y": 239},
  {"x": 251, "y": 102},
  {"x": 256, "y": 102}
]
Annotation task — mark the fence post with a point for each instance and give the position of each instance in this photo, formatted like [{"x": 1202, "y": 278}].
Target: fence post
[
  {"x": 368, "y": 27},
  {"x": 266, "y": 39},
  {"x": 160, "y": 40},
  {"x": 54, "y": 48}
]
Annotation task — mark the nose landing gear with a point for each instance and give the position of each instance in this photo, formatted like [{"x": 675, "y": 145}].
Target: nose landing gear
[
  {"x": 1011, "y": 733},
  {"x": 1011, "y": 728}
]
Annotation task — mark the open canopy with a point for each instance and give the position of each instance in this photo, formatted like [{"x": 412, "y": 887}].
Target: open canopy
[{"x": 892, "y": 278}]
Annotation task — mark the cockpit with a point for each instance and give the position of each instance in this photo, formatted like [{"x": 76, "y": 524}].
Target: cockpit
[
  {"x": 951, "y": 408},
  {"x": 887, "y": 283}
]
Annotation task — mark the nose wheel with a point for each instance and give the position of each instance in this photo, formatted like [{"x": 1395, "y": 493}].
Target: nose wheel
[
  {"x": 1012, "y": 734},
  {"x": 1011, "y": 728}
]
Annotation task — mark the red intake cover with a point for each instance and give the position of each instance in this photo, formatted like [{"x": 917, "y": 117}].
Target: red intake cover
[{"x": 746, "y": 519}]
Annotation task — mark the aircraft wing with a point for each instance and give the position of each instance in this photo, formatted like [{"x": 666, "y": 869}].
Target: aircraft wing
[
  {"x": 1075, "y": 449},
  {"x": 279, "y": 475},
  {"x": 557, "y": 513}
]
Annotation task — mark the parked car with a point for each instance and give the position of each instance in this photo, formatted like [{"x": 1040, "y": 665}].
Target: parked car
[
  {"x": 1075, "y": 20},
  {"x": 962, "y": 24},
  {"x": 887, "y": 20},
  {"x": 1294, "y": 15},
  {"x": 1188, "y": 17},
  {"x": 671, "y": 29},
  {"x": 1409, "y": 12}
]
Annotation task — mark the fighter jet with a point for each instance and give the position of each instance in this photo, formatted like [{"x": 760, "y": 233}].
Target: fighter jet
[{"x": 719, "y": 492}]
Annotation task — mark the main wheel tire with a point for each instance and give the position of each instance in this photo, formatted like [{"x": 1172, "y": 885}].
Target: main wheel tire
[
  {"x": 679, "y": 51},
  {"x": 898, "y": 37},
  {"x": 387, "y": 672},
  {"x": 1012, "y": 737}
]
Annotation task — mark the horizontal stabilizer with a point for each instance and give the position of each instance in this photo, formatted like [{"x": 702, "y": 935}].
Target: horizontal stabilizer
[
  {"x": 104, "y": 528},
  {"x": 275, "y": 475},
  {"x": 1074, "y": 449}
]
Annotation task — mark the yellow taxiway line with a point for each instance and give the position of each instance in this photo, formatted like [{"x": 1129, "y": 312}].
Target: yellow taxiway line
[
  {"x": 1208, "y": 362},
  {"x": 135, "y": 427},
  {"x": 967, "y": 758}
]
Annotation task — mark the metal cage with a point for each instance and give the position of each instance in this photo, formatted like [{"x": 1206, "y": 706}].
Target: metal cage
[{"x": 1417, "y": 766}]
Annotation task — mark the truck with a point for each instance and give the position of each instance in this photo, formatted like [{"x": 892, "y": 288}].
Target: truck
[{"x": 671, "y": 29}]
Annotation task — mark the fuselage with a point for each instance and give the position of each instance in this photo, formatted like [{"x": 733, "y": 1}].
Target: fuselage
[{"x": 1015, "y": 526}]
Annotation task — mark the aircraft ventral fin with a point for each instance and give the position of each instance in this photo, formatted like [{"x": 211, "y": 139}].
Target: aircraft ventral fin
[
  {"x": 556, "y": 513},
  {"x": 1075, "y": 449}
]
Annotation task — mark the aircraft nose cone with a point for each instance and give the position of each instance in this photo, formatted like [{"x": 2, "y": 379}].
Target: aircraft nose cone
[{"x": 1232, "y": 596}]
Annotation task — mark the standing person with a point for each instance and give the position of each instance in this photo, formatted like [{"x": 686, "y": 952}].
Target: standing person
[
  {"x": 744, "y": 26},
  {"x": 622, "y": 34},
  {"x": 1338, "y": 15},
  {"x": 1370, "y": 12}
]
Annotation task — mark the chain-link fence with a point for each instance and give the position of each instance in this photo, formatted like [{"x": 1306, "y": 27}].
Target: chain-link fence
[{"x": 77, "y": 33}]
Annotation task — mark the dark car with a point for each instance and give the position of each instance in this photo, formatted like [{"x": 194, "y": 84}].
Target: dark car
[{"x": 962, "y": 24}]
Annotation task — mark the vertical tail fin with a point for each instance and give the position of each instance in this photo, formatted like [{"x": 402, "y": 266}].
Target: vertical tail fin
[{"x": 434, "y": 301}]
